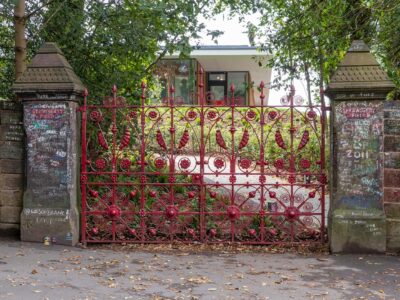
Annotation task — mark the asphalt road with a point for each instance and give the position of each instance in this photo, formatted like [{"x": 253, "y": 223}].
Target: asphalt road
[{"x": 36, "y": 271}]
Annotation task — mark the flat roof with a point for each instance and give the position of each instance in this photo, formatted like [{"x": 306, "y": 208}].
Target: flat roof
[
  {"x": 221, "y": 50},
  {"x": 224, "y": 47}
]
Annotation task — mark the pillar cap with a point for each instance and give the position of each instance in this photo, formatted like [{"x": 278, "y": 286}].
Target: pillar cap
[
  {"x": 359, "y": 72},
  {"x": 48, "y": 71}
]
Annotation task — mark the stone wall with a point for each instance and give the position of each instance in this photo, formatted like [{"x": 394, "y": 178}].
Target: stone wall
[
  {"x": 11, "y": 167},
  {"x": 391, "y": 181}
]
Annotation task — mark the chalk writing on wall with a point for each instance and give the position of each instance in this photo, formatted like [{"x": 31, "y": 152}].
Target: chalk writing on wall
[
  {"x": 48, "y": 142},
  {"x": 363, "y": 226},
  {"x": 358, "y": 95},
  {"x": 11, "y": 132},
  {"x": 359, "y": 158},
  {"x": 392, "y": 126},
  {"x": 47, "y": 212}
]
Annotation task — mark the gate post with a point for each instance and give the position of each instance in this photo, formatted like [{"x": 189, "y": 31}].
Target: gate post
[
  {"x": 358, "y": 89},
  {"x": 50, "y": 92}
]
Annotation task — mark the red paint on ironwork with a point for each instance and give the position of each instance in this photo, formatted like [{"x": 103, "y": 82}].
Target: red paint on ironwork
[
  {"x": 113, "y": 211},
  {"x": 245, "y": 139},
  {"x": 171, "y": 212},
  {"x": 213, "y": 232},
  {"x": 252, "y": 232},
  {"x": 202, "y": 173},
  {"x": 233, "y": 212}
]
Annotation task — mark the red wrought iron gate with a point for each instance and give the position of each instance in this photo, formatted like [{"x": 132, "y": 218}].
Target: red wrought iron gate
[{"x": 202, "y": 173}]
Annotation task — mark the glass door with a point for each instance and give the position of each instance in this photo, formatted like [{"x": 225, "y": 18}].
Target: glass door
[
  {"x": 240, "y": 81},
  {"x": 217, "y": 90}
]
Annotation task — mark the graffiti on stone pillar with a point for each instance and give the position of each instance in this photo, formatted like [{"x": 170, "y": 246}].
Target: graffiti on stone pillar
[
  {"x": 359, "y": 154},
  {"x": 48, "y": 139}
]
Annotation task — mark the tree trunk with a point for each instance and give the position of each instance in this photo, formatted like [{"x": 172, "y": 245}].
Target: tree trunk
[
  {"x": 308, "y": 81},
  {"x": 20, "y": 41}
]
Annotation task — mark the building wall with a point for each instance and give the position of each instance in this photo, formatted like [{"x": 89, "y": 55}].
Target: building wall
[
  {"x": 391, "y": 180},
  {"x": 11, "y": 167}
]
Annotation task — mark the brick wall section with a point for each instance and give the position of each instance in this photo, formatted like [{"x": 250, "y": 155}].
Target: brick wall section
[
  {"x": 11, "y": 167},
  {"x": 391, "y": 180}
]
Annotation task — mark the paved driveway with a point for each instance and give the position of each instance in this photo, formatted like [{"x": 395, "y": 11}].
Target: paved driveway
[{"x": 35, "y": 271}]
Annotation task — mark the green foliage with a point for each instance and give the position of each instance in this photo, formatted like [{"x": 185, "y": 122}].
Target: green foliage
[
  {"x": 308, "y": 38},
  {"x": 119, "y": 41},
  {"x": 6, "y": 57},
  {"x": 387, "y": 45},
  {"x": 106, "y": 42}
]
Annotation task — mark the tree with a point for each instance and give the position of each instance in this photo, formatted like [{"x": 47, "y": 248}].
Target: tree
[
  {"x": 120, "y": 41},
  {"x": 308, "y": 38},
  {"x": 19, "y": 20},
  {"x": 20, "y": 43},
  {"x": 387, "y": 39},
  {"x": 109, "y": 42},
  {"x": 6, "y": 57}
]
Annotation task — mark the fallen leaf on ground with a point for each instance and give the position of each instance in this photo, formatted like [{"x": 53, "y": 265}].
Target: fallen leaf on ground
[
  {"x": 322, "y": 259},
  {"x": 199, "y": 280}
]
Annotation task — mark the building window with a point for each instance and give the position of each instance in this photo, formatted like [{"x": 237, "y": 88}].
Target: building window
[
  {"x": 217, "y": 77},
  {"x": 218, "y": 87},
  {"x": 180, "y": 74},
  {"x": 216, "y": 83},
  {"x": 240, "y": 81}
]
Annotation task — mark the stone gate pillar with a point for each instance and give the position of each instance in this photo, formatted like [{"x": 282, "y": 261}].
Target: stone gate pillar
[
  {"x": 50, "y": 91},
  {"x": 357, "y": 222}
]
